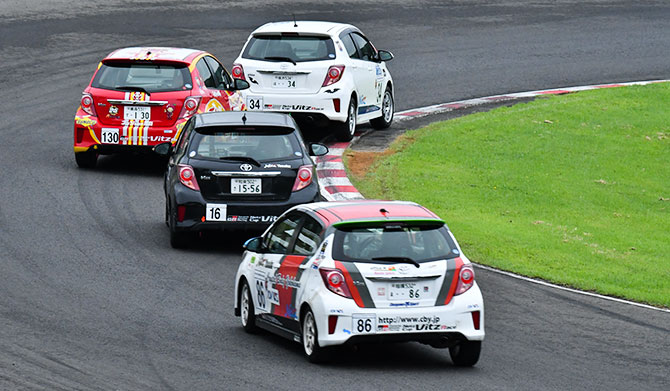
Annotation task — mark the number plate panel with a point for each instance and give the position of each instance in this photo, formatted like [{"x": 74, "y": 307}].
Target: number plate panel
[
  {"x": 405, "y": 291},
  {"x": 216, "y": 212},
  {"x": 284, "y": 82},
  {"x": 245, "y": 185},
  {"x": 254, "y": 103},
  {"x": 137, "y": 113},
  {"x": 363, "y": 323},
  {"x": 109, "y": 136}
]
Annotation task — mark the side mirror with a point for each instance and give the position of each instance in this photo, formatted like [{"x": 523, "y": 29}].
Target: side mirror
[
  {"x": 317, "y": 149},
  {"x": 163, "y": 149},
  {"x": 238, "y": 84},
  {"x": 384, "y": 55},
  {"x": 254, "y": 245}
]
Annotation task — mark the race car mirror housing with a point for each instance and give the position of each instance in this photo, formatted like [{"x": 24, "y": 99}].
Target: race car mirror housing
[
  {"x": 238, "y": 84},
  {"x": 254, "y": 244},
  {"x": 317, "y": 149},
  {"x": 384, "y": 55},
  {"x": 163, "y": 149}
]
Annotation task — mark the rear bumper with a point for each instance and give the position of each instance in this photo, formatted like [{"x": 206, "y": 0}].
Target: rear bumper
[
  {"x": 240, "y": 215},
  {"x": 323, "y": 103},
  {"x": 131, "y": 137},
  {"x": 439, "y": 325}
]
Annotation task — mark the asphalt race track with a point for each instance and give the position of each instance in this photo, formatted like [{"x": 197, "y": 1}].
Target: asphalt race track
[{"x": 93, "y": 297}]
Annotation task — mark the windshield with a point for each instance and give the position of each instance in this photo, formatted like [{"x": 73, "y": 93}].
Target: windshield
[
  {"x": 238, "y": 146},
  {"x": 419, "y": 243},
  {"x": 289, "y": 48},
  {"x": 148, "y": 77}
]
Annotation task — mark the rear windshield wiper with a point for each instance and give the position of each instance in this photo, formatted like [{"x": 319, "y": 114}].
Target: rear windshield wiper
[
  {"x": 278, "y": 58},
  {"x": 398, "y": 260},
  {"x": 132, "y": 88},
  {"x": 241, "y": 159}
]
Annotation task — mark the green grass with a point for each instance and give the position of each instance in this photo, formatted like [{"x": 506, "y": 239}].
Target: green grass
[{"x": 573, "y": 189}]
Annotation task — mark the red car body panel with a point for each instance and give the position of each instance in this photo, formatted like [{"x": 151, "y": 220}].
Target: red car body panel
[{"x": 164, "y": 110}]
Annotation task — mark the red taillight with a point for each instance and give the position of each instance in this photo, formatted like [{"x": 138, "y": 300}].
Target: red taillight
[
  {"x": 238, "y": 72},
  {"x": 190, "y": 106},
  {"x": 332, "y": 323},
  {"x": 475, "y": 319},
  {"x": 304, "y": 178},
  {"x": 334, "y": 280},
  {"x": 333, "y": 75},
  {"x": 87, "y": 103},
  {"x": 466, "y": 278},
  {"x": 336, "y": 104},
  {"x": 181, "y": 212},
  {"x": 187, "y": 177}
]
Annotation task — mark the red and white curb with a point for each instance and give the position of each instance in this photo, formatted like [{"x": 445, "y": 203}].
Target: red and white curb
[
  {"x": 335, "y": 185},
  {"x": 333, "y": 180}
]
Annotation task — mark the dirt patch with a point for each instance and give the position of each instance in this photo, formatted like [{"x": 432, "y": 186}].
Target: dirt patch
[{"x": 359, "y": 162}]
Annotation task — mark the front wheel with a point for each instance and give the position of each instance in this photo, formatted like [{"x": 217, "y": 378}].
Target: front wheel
[
  {"x": 465, "y": 353},
  {"x": 86, "y": 159},
  {"x": 388, "y": 108},
  {"x": 344, "y": 131},
  {"x": 247, "y": 312},
  {"x": 310, "y": 339}
]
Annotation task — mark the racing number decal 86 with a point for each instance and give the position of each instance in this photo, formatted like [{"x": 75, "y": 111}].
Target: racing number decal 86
[{"x": 364, "y": 323}]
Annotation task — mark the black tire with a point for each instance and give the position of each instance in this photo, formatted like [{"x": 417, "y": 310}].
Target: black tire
[
  {"x": 178, "y": 239},
  {"x": 388, "y": 108},
  {"x": 465, "y": 353},
  {"x": 86, "y": 159},
  {"x": 344, "y": 131},
  {"x": 247, "y": 313},
  {"x": 310, "y": 339}
]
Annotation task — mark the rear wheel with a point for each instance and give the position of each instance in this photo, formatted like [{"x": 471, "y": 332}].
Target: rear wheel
[
  {"x": 344, "y": 131},
  {"x": 86, "y": 159},
  {"x": 310, "y": 339},
  {"x": 247, "y": 312},
  {"x": 385, "y": 120},
  {"x": 466, "y": 353}
]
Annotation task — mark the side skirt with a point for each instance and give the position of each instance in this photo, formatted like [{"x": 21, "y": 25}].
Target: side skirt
[{"x": 281, "y": 330}]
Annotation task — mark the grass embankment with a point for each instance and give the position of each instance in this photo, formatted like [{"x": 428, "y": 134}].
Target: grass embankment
[{"x": 573, "y": 189}]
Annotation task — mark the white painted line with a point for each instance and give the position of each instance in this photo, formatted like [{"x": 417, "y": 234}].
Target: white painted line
[
  {"x": 548, "y": 284},
  {"x": 335, "y": 181},
  {"x": 330, "y": 166}
]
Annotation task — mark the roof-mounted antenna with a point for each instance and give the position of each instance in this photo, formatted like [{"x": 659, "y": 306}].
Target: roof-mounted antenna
[
  {"x": 244, "y": 118},
  {"x": 295, "y": 24}
]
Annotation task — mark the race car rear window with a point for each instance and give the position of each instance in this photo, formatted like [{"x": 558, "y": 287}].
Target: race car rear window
[
  {"x": 149, "y": 77},
  {"x": 261, "y": 145},
  {"x": 296, "y": 48},
  {"x": 421, "y": 243}
]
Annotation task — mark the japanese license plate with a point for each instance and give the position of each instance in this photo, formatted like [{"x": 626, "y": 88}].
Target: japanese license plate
[
  {"x": 404, "y": 291},
  {"x": 254, "y": 103},
  {"x": 137, "y": 113},
  {"x": 284, "y": 82},
  {"x": 216, "y": 212},
  {"x": 109, "y": 136},
  {"x": 245, "y": 185},
  {"x": 364, "y": 323}
]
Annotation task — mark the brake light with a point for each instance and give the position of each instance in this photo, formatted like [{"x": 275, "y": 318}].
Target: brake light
[
  {"x": 187, "y": 177},
  {"x": 334, "y": 280},
  {"x": 476, "y": 316},
  {"x": 333, "y": 75},
  {"x": 87, "y": 103},
  {"x": 181, "y": 212},
  {"x": 304, "y": 178},
  {"x": 332, "y": 323},
  {"x": 238, "y": 72},
  {"x": 191, "y": 105},
  {"x": 466, "y": 279}
]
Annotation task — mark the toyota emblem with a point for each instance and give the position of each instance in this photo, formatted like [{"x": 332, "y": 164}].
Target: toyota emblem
[{"x": 246, "y": 167}]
